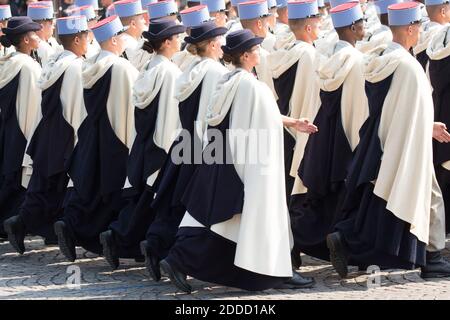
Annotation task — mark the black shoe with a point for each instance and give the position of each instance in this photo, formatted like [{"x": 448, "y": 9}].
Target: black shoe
[
  {"x": 65, "y": 241},
  {"x": 296, "y": 259},
  {"x": 16, "y": 230},
  {"x": 437, "y": 266},
  {"x": 109, "y": 249},
  {"x": 151, "y": 263},
  {"x": 177, "y": 278},
  {"x": 338, "y": 254},
  {"x": 297, "y": 282}
]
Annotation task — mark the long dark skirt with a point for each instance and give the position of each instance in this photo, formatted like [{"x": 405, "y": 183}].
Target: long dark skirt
[
  {"x": 41, "y": 209},
  {"x": 11, "y": 200},
  {"x": 87, "y": 219},
  {"x": 443, "y": 178},
  {"x": 206, "y": 256},
  {"x": 312, "y": 221},
  {"x": 132, "y": 223},
  {"x": 375, "y": 236}
]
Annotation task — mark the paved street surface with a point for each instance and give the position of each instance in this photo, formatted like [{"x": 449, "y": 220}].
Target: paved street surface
[{"x": 43, "y": 273}]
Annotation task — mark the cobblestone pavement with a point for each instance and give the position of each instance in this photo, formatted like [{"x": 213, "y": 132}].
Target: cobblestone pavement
[{"x": 42, "y": 273}]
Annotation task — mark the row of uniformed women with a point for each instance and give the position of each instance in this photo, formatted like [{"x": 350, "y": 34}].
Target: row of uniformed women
[{"x": 243, "y": 242}]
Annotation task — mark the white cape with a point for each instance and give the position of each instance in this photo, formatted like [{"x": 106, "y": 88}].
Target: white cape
[
  {"x": 119, "y": 105},
  {"x": 71, "y": 95},
  {"x": 305, "y": 99},
  {"x": 406, "y": 177},
  {"x": 28, "y": 98},
  {"x": 374, "y": 38},
  {"x": 343, "y": 65},
  {"x": 207, "y": 71},
  {"x": 262, "y": 231},
  {"x": 159, "y": 76}
]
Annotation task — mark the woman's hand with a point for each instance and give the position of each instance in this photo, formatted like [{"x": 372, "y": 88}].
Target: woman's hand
[{"x": 440, "y": 132}]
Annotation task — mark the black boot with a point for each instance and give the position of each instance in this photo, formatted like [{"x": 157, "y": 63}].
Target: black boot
[
  {"x": 296, "y": 259},
  {"x": 176, "y": 277},
  {"x": 16, "y": 230},
  {"x": 437, "y": 266},
  {"x": 297, "y": 282},
  {"x": 109, "y": 249},
  {"x": 338, "y": 253},
  {"x": 65, "y": 241},
  {"x": 151, "y": 262}
]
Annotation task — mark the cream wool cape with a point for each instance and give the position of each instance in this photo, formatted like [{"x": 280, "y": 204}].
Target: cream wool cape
[
  {"x": 372, "y": 39},
  {"x": 326, "y": 41},
  {"x": 428, "y": 30},
  {"x": 343, "y": 65},
  {"x": 71, "y": 95},
  {"x": 159, "y": 76},
  {"x": 135, "y": 54},
  {"x": 120, "y": 107},
  {"x": 5, "y": 51},
  {"x": 262, "y": 231},
  {"x": 183, "y": 59},
  {"x": 305, "y": 99},
  {"x": 439, "y": 47},
  {"x": 28, "y": 98},
  {"x": 93, "y": 49},
  {"x": 263, "y": 69},
  {"x": 208, "y": 72},
  {"x": 269, "y": 42},
  {"x": 406, "y": 176},
  {"x": 45, "y": 51}
]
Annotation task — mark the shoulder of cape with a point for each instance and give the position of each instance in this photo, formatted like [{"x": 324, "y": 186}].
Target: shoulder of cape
[
  {"x": 75, "y": 67},
  {"x": 124, "y": 66},
  {"x": 218, "y": 68},
  {"x": 30, "y": 64}
]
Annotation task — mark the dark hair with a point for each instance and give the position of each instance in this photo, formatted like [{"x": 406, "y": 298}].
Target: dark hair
[
  {"x": 233, "y": 58},
  {"x": 11, "y": 39},
  {"x": 154, "y": 45}
]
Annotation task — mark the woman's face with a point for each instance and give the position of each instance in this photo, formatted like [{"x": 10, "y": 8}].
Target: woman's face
[
  {"x": 31, "y": 40},
  {"x": 251, "y": 57},
  {"x": 216, "y": 47}
]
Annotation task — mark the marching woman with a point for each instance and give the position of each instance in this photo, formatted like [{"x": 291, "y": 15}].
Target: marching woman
[
  {"x": 52, "y": 143},
  {"x": 193, "y": 90},
  {"x": 225, "y": 238},
  {"x": 20, "y": 98},
  {"x": 190, "y": 17},
  {"x": 156, "y": 121},
  {"x": 99, "y": 162}
]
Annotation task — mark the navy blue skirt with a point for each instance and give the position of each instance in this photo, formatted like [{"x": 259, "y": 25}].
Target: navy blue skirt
[
  {"x": 313, "y": 220},
  {"x": 206, "y": 256},
  {"x": 375, "y": 236},
  {"x": 132, "y": 223},
  {"x": 41, "y": 209},
  {"x": 85, "y": 220}
]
